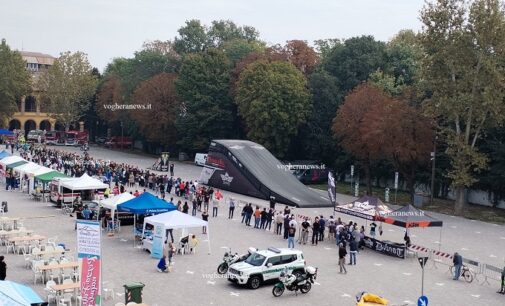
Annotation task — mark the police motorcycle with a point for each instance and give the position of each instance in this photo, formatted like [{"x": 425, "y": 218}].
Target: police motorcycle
[
  {"x": 229, "y": 258},
  {"x": 295, "y": 282}
]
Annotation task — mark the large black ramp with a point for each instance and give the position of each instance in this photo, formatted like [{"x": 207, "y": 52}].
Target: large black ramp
[{"x": 248, "y": 168}]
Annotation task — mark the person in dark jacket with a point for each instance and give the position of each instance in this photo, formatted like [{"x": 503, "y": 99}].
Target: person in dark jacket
[
  {"x": 502, "y": 289},
  {"x": 322, "y": 227},
  {"x": 3, "y": 268},
  {"x": 315, "y": 231},
  {"x": 286, "y": 226},
  {"x": 263, "y": 218},
  {"x": 162, "y": 264},
  {"x": 270, "y": 215},
  {"x": 353, "y": 251},
  {"x": 457, "y": 260},
  {"x": 342, "y": 252}
]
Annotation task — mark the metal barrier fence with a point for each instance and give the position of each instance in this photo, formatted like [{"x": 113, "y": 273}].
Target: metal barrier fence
[{"x": 483, "y": 272}]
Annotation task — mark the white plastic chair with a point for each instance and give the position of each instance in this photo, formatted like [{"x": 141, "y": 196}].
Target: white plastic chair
[
  {"x": 28, "y": 260},
  {"x": 37, "y": 273},
  {"x": 67, "y": 275},
  {"x": 51, "y": 294},
  {"x": 68, "y": 281},
  {"x": 108, "y": 290},
  {"x": 66, "y": 298}
]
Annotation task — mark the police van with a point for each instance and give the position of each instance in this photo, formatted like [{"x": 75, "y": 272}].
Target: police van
[{"x": 266, "y": 265}]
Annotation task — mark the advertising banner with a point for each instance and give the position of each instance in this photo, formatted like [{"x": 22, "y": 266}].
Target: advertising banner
[
  {"x": 385, "y": 247},
  {"x": 164, "y": 162},
  {"x": 89, "y": 254},
  {"x": 331, "y": 188},
  {"x": 158, "y": 239}
]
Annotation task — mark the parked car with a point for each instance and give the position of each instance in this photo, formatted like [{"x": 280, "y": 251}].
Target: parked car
[
  {"x": 101, "y": 140},
  {"x": 119, "y": 142},
  {"x": 312, "y": 176},
  {"x": 33, "y": 136},
  {"x": 266, "y": 265},
  {"x": 200, "y": 159}
]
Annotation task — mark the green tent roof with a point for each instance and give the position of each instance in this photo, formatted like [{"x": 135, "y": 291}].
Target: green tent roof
[
  {"x": 17, "y": 164},
  {"x": 47, "y": 177}
]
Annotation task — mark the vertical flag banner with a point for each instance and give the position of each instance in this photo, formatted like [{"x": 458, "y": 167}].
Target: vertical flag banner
[
  {"x": 89, "y": 254},
  {"x": 331, "y": 188},
  {"x": 158, "y": 239}
]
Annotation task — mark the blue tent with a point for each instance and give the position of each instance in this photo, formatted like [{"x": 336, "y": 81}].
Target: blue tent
[
  {"x": 6, "y": 132},
  {"x": 4, "y": 154},
  {"x": 146, "y": 203},
  {"x": 14, "y": 294}
]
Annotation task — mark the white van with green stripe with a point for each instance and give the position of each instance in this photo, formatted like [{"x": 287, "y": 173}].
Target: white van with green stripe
[{"x": 266, "y": 265}]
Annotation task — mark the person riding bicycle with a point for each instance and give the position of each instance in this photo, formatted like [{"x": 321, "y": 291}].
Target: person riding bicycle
[{"x": 457, "y": 260}]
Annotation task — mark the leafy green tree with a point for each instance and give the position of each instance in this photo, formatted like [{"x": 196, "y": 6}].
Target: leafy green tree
[
  {"x": 315, "y": 137},
  {"x": 192, "y": 38},
  {"x": 352, "y": 61},
  {"x": 237, "y": 49},
  {"x": 464, "y": 71},
  {"x": 223, "y": 31},
  {"x": 273, "y": 99},
  {"x": 15, "y": 81},
  {"x": 68, "y": 86},
  {"x": 207, "y": 110}
]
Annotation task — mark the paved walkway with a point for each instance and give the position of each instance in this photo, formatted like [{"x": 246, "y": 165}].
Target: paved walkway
[{"x": 191, "y": 282}]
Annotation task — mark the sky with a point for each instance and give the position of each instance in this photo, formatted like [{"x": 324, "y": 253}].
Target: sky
[{"x": 106, "y": 29}]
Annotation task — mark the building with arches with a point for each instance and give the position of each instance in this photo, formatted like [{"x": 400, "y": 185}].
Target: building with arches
[{"x": 31, "y": 114}]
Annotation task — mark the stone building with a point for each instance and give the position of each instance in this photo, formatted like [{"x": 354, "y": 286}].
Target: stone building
[{"x": 31, "y": 113}]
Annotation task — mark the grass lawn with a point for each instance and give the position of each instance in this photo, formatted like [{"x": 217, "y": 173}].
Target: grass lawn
[{"x": 474, "y": 212}]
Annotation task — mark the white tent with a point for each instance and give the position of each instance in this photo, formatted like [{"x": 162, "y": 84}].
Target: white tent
[
  {"x": 85, "y": 182},
  {"x": 176, "y": 220},
  {"x": 10, "y": 160},
  {"x": 30, "y": 169},
  {"x": 112, "y": 202}
]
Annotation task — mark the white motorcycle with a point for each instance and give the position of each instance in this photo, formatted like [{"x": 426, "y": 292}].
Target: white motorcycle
[
  {"x": 295, "y": 282},
  {"x": 229, "y": 258}
]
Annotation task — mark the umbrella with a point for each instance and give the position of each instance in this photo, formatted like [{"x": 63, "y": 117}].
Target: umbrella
[{"x": 14, "y": 294}]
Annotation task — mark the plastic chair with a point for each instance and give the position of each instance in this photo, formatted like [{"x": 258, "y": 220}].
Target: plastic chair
[
  {"x": 51, "y": 294},
  {"x": 108, "y": 290},
  {"x": 67, "y": 275},
  {"x": 28, "y": 260},
  {"x": 66, "y": 298},
  {"x": 37, "y": 273}
]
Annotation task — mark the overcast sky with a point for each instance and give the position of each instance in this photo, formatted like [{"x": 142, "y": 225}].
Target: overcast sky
[{"x": 105, "y": 29}]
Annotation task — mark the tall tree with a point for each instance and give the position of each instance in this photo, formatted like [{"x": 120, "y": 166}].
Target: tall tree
[
  {"x": 237, "y": 49},
  {"x": 15, "y": 81},
  {"x": 192, "y": 38},
  {"x": 301, "y": 55},
  {"x": 463, "y": 68},
  {"x": 109, "y": 95},
  {"x": 207, "y": 110},
  {"x": 273, "y": 100},
  {"x": 315, "y": 137},
  {"x": 157, "y": 123},
  {"x": 352, "y": 62},
  {"x": 68, "y": 86},
  {"x": 350, "y": 126}
]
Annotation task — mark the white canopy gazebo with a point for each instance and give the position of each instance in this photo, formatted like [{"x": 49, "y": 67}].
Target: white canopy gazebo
[
  {"x": 10, "y": 160},
  {"x": 85, "y": 182},
  {"x": 112, "y": 202},
  {"x": 176, "y": 220},
  {"x": 30, "y": 169}
]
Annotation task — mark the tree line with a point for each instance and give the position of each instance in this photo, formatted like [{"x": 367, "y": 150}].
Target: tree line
[{"x": 382, "y": 106}]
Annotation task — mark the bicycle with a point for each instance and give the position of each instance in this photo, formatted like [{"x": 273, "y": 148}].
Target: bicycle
[{"x": 465, "y": 273}]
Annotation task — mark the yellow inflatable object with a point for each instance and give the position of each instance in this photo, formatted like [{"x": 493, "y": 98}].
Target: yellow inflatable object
[{"x": 369, "y": 299}]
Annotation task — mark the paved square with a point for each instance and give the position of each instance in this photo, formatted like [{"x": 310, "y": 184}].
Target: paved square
[{"x": 193, "y": 282}]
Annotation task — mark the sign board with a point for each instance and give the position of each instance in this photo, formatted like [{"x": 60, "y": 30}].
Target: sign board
[
  {"x": 387, "y": 248},
  {"x": 386, "y": 196},
  {"x": 352, "y": 170},
  {"x": 164, "y": 162},
  {"x": 356, "y": 189},
  {"x": 422, "y": 261},
  {"x": 423, "y": 301},
  {"x": 89, "y": 255},
  {"x": 331, "y": 188},
  {"x": 158, "y": 239},
  {"x": 396, "y": 180}
]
